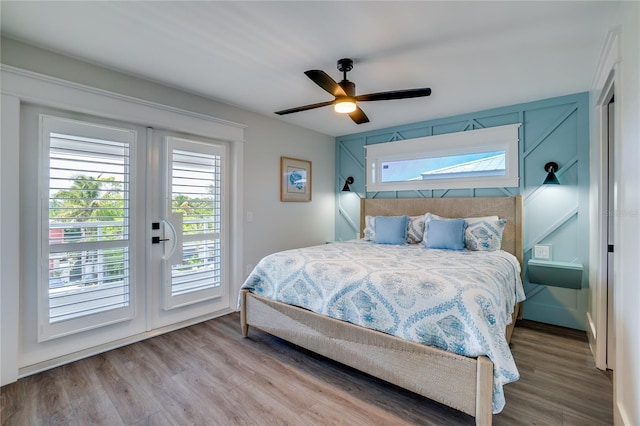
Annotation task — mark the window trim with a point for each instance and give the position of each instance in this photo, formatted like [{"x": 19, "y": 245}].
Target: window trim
[{"x": 498, "y": 138}]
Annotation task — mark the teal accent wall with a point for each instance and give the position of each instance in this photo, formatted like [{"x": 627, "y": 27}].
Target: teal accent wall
[{"x": 555, "y": 129}]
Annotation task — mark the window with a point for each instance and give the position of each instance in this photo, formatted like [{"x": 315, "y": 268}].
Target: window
[
  {"x": 85, "y": 275},
  {"x": 481, "y": 158},
  {"x": 196, "y": 190},
  {"x": 195, "y": 195}
]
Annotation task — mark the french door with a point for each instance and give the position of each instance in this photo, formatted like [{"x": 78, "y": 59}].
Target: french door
[
  {"x": 189, "y": 249},
  {"x": 132, "y": 231}
]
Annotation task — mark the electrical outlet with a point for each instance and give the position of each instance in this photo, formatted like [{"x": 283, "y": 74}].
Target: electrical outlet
[{"x": 542, "y": 252}]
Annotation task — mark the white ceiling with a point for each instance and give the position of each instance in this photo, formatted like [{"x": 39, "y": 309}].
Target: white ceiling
[{"x": 473, "y": 55}]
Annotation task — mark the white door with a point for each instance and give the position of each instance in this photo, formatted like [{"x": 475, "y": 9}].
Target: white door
[
  {"x": 611, "y": 338},
  {"x": 188, "y": 216}
]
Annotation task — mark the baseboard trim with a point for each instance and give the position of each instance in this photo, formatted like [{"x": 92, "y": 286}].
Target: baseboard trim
[
  {"x": 591, "y": 337},
  {"x": 76, "y": 356},
  {"x": 556, "y": 315},
  {"x": 620, "y": 416}
]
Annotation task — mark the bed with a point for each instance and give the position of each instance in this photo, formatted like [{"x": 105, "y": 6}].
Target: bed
[{"x": 470, "y": 384}]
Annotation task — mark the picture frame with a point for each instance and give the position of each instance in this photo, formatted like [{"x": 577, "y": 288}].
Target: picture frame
[{"x": 295, "y": 179}]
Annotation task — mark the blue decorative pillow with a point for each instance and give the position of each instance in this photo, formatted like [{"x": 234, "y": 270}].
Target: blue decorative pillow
[
  {"x": 430, "y": 216},
  {"x": 391, "y": 229},
  {"x": 446, "y": 234},
  {"x": 484, "y": 235}
]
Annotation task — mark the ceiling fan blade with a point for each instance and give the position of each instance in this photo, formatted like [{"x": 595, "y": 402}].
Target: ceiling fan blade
[
  {"x": 323, "y": 80},
  {"x": 396, "y": 94},
  {"x": 304, "y": 108},
  {"x": 358, "y": 116}
]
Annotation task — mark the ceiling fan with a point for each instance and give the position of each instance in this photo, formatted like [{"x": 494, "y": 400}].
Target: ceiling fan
[{"x": 344, "y": 93}]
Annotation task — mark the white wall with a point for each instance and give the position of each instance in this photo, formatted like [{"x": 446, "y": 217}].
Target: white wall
[
  {"x": 9, "y": 239},
  {"x": 627, "y": 290},
  {"x": 275, "y": 225}
]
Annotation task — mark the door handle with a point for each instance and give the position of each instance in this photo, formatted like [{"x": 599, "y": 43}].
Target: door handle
[
  {"x": 173, "y": 224},
  {"x": 158, "y": 240}
]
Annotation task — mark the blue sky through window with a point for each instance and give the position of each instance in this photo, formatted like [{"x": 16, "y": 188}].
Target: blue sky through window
[{"x": 403, "y": 170}]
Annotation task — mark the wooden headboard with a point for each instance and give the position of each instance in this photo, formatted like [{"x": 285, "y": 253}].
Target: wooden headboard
[{"x": 509, "y": 208}]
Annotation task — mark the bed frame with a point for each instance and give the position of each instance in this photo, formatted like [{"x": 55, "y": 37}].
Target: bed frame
[{"x": 463, "y": 383}]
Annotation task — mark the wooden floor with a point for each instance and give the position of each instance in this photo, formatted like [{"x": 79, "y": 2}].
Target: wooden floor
[{"x": 208, "y": 374}]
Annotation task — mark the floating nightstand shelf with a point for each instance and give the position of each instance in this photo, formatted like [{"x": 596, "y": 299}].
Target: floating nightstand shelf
[{"x": 557, "y": 274}]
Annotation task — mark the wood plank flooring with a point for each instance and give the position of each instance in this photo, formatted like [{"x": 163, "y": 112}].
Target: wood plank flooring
[{"x": 208, "y": 374}]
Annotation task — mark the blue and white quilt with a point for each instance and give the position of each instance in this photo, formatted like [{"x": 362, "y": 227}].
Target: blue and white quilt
[{"x": 458, "y": 301}]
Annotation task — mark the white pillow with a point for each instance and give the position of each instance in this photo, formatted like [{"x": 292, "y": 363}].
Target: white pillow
[{"x": 369, "y": 228}]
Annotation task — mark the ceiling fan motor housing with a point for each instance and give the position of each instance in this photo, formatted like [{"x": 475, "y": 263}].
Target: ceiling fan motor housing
[
  {"x": 345, "y": 64},
  {"x": 348, "y": 87}
]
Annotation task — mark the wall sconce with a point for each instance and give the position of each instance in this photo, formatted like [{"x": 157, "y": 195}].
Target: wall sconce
[
  {"x": 347, "y": 182},
  {"x": 551, "y": 168}
]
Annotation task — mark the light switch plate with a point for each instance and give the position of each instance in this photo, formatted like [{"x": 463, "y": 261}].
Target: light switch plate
[{"x": 542, "y": 251}]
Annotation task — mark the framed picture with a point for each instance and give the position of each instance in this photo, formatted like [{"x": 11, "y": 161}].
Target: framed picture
[{"x": 295, "y": 179}]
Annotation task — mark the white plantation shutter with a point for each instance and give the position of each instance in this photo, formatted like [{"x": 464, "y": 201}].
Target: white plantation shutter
[
  {"x": 195, "y": 189},
  {"x": 85, "y": 277}
]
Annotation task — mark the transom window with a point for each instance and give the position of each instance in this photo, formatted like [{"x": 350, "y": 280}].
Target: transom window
[{"x": 473, "y": 159}]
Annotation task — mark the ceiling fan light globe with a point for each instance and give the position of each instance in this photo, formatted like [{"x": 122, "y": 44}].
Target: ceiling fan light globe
[{"x": 345, "y": 106}]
